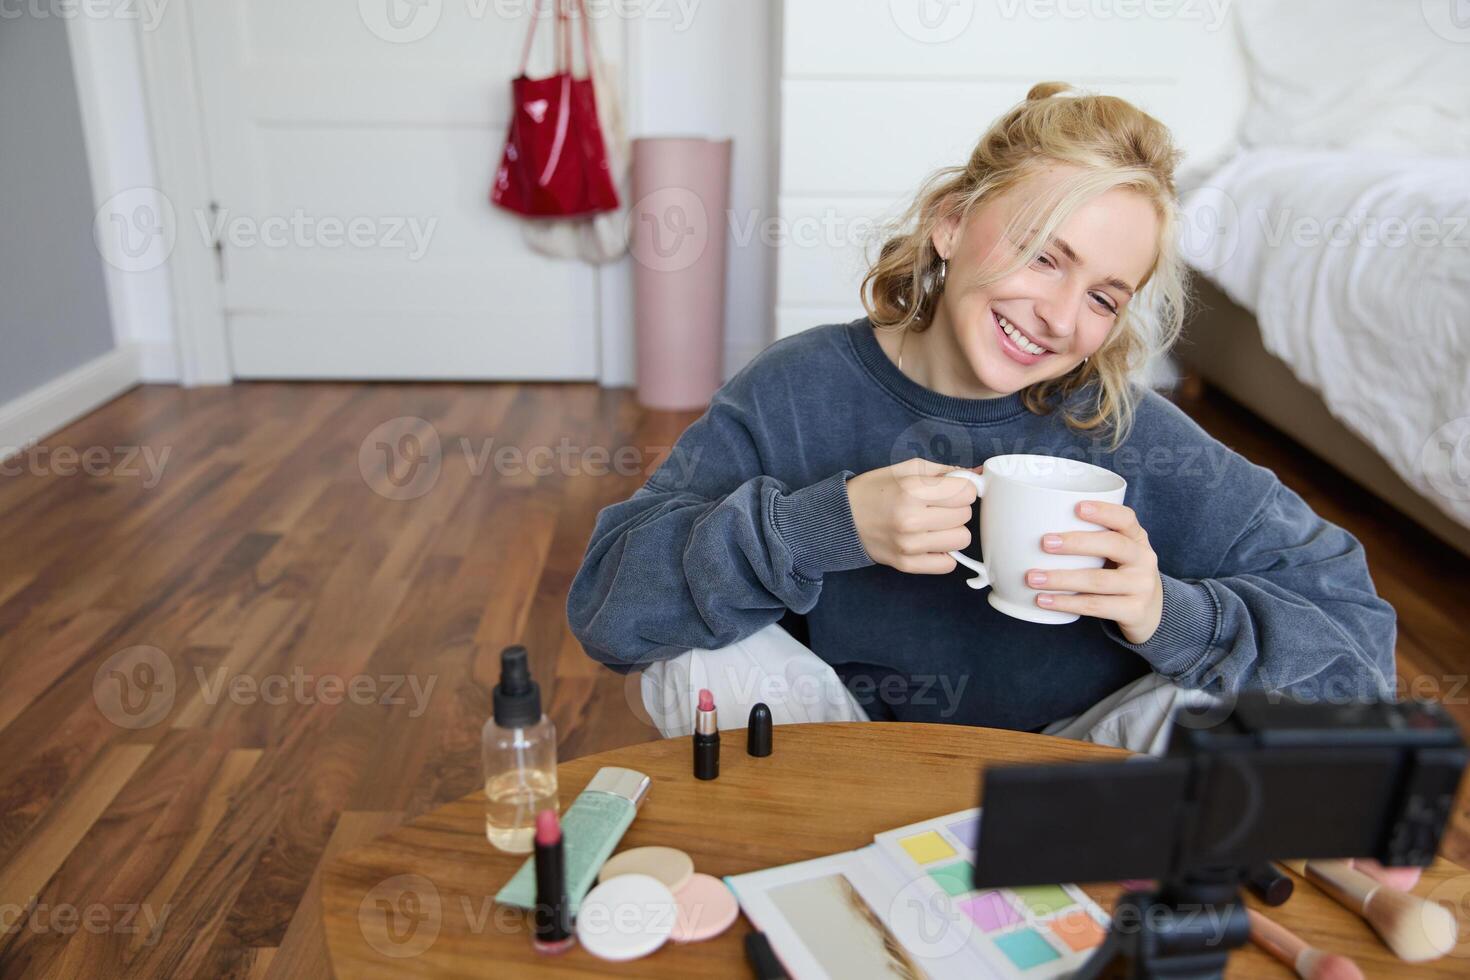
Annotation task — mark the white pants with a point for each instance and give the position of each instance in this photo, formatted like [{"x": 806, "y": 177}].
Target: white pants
[{"x": 771, "y": 666}]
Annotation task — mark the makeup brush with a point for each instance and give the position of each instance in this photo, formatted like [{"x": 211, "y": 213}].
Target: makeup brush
[
  {"x": 1309, "y": 962},
  {"x": 1404, "y": 879},
  {"x": 1417, "y": 930}
]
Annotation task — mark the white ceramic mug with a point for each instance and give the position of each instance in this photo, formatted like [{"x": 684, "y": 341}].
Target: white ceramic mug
[{"x": 1023, "y": 498}]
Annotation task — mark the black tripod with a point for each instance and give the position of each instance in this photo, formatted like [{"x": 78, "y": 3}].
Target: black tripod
[{"x": 1183, "y": 931}]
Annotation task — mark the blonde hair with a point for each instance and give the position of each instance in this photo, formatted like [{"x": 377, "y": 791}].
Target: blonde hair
[{"x": 1111, "y": 144}]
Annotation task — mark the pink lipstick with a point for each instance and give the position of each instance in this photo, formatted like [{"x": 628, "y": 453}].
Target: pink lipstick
[
  {"x": 706, "y": 738},
  {"x": 552, "y": 919}
]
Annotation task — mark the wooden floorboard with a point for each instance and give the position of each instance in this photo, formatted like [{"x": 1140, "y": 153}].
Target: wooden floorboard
[{"x": 190, "y": 845}]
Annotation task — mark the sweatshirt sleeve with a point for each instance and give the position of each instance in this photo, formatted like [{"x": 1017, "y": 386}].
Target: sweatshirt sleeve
[
  {"x": 709, "y": 550},
  {"x": 1291, "y": 608}
]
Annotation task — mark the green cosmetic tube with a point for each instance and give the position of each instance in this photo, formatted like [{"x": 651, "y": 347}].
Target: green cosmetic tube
[{"x": 591, "y": 828}]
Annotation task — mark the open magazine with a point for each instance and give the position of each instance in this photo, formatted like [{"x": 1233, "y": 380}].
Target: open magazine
[{"x": 904, "y": 906}]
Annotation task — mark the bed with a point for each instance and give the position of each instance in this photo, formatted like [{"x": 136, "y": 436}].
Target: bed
[
  {"x": 1333, "y": 299},
  {"x": 1332, "y": 250}
]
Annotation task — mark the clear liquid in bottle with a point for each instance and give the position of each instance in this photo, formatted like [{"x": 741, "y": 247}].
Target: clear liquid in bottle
[{"x": 512, "y": 800}]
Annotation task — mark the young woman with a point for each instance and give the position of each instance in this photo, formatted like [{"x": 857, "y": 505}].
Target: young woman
[{"x": 1009, "y": 313}]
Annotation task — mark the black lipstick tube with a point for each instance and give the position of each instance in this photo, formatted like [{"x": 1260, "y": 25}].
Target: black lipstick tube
[
  {"x": 706, "y": 745},
  {"x": 552, "y": 921}
]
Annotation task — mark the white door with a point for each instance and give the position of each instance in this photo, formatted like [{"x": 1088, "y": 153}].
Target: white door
[{"x": 351, "y": 147}]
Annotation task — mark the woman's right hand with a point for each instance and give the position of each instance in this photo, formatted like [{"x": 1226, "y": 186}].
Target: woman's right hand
[{"x": 908, "y": 515}]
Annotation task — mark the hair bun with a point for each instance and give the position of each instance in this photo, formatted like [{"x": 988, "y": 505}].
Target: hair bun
[{"x": 1045, "y": 90}]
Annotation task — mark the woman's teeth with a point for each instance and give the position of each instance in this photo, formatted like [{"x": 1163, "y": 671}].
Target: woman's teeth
[{"x": 1018, "y": 338}]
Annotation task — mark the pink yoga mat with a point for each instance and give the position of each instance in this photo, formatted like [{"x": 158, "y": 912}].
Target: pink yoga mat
[{"x": 681, "y": 190}]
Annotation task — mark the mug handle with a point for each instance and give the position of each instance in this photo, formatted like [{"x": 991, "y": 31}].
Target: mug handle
[{"x": 982, "y": 576}]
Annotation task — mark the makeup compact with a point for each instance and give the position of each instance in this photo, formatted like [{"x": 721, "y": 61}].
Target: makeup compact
[
  {"x": 669, "y": 865},
  {"x": 706, "y": 908},
  {"x": 626, "y": 917}
]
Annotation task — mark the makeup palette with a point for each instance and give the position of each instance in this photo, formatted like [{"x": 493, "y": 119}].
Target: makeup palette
[
  {"x": 904, "y": 906},
  {"x": 1038, "y": 932}
]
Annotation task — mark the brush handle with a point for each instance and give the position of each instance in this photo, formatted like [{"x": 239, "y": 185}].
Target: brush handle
[
  {"x": 1344, "y": 883},
  {"x": 1276, "y": 939}
]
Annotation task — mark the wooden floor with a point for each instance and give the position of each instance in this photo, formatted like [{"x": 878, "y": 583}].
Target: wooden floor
[{"x": 213, "y": 679}]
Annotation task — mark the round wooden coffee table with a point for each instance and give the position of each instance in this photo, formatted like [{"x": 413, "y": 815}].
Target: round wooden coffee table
[{"x": 419, "y": 900}]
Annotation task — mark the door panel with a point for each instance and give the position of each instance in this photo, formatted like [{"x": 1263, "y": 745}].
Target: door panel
[{"x": 351, "y": 148}]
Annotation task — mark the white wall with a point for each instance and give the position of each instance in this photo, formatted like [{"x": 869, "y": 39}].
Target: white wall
[
  {"x": 714, "y": 73},
  {"x": 876, "y": 94},
  {"x": 109, "y": 81}
]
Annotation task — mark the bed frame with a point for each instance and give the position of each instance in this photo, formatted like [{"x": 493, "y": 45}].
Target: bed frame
[{"x": 1222, "y": 345}]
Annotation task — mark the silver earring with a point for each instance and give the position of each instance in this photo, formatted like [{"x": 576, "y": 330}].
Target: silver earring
[{"x": 943, "y": 273}]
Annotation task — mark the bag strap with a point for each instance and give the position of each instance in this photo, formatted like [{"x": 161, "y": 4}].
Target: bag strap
[{"x": 563, "y": 41}]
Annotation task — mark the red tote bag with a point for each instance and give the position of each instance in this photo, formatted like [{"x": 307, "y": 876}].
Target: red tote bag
[{"x": 555, "y": 161}]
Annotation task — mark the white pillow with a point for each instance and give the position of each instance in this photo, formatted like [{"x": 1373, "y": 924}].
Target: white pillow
[{"x": 1361, "y": 74}]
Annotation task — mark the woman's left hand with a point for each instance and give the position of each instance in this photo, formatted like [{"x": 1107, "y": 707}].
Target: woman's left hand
[{"x": 1126, "y": 590}]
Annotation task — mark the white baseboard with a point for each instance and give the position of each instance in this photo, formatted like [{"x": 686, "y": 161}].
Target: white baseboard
[{"x": 35, "y": 415}]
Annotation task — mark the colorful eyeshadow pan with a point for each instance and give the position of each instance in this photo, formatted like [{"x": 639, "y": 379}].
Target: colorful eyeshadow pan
[
  {"x": 1078, "y": 930},
  {"x": 926, "y": 847},
  {"x": 967, "y": 832},
  {"x": 990, "y": 911},
  {"x": 1044, "y": 899},
  {"x": 1026, "y": 949},
  {"x": 954, "y": 878}
]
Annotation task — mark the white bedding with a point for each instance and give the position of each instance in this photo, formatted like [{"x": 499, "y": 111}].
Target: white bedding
[{"x": 1357, "y": 267}]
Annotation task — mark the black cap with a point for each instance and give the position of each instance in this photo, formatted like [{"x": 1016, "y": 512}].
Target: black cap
[
  {"x": 517, "y": 698},
  {"x": 758, "y": 733},
  {"x": 1269, "y": 884}
]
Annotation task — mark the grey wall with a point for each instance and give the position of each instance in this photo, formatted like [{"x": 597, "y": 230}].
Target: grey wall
[{"x": 53, "y": 303}]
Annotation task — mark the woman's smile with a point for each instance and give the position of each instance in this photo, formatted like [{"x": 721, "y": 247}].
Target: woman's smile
[{"x": 1016, "y": 344}]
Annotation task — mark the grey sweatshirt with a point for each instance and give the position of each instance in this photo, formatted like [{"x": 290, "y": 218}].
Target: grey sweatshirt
[{"x": 748, "y": 521}]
